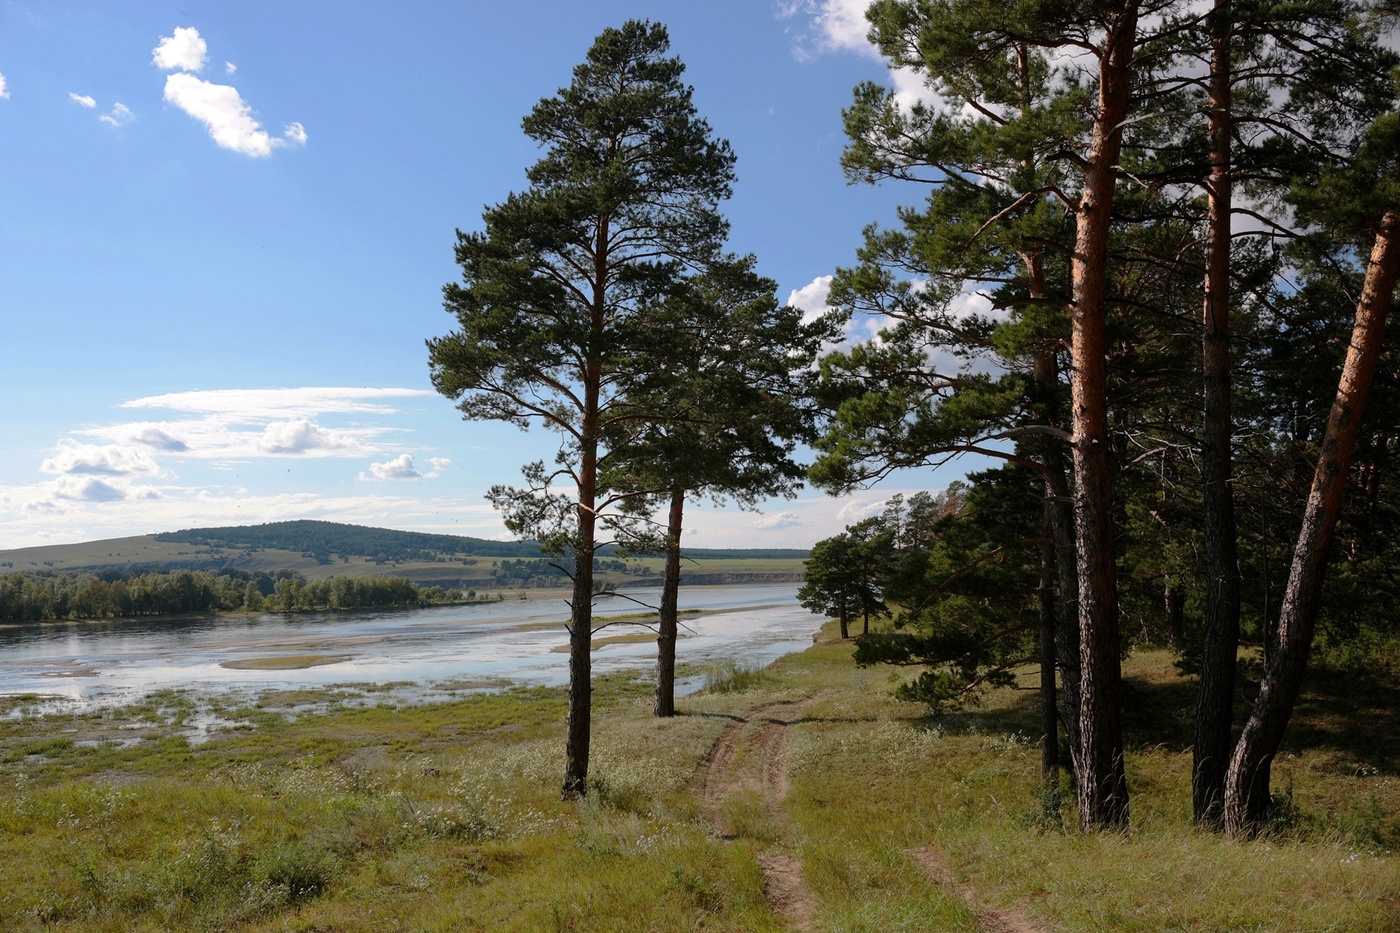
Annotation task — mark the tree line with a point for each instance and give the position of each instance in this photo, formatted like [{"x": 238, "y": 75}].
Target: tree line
[
  {"x": 1150, "y": 275},
  {"x": 58, "y": 596}
]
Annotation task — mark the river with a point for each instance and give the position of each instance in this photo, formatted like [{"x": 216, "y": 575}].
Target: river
[{"x": 83, "y": 665}]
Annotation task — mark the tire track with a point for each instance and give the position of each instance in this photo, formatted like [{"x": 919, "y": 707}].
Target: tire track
[
  {"x": 751, "y": 756},
  {"x": 989, "y": 920}
]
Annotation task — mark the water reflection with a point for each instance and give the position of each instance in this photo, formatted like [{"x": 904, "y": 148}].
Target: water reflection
[{"x": 111, "y": 663}]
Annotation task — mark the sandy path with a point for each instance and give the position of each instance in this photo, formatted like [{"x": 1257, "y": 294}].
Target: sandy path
[
  {"x": 989, "y": 920},
  {"x": 751, "y": 756}
]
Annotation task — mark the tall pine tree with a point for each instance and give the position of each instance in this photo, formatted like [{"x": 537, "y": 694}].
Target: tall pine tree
[{"x": 559, "y": 290}]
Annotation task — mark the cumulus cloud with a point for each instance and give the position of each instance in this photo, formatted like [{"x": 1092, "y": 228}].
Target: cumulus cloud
[
  {"x": 240, "y": 425},
  {"x": 110, "y": 460},
  {"x": 120, "y": 114},
  {"x": 840, "y": 26},
  {"x": 832, "y": 25},
  {"x": 398, "y": 468},
  {"x": 402, "y": 467},
  {"x": 811, "y": 298},
  {"x": 230, "y": 68},
  {"x": 82, "y": 100},
  {"x": 227, "y": 116},
  {"x": 4, "y": 89},
  {"x": 186, "y": 50},
  {"x": 223, "y": 111},
  {"x": 63, "y": 495},
  {"x": 859, "y": 508},
  {"x": 778, "y": 520},
  {"x": 158, "y": 438},
  {"x": 92, "y": 490},
  {"x": 302, "y": 436}
]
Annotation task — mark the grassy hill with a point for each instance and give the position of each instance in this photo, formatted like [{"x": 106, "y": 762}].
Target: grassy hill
[{"x": 322, "y": 549}]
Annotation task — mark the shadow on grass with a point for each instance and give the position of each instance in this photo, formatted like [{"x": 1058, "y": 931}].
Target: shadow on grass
[
  {"x": 1354, "y": 715},
  {"x": 1350, "y": 713}
]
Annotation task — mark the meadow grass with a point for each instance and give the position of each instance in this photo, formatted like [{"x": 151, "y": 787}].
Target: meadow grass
[{"x": 319, "y": 813}]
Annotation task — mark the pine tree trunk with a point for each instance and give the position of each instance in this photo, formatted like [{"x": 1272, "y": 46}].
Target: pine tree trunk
[
  {"x": 1067, "y": 617},
  {"x": 1060, "y": 521},
  {"x": 1216, "y": 700},
  {"x": 1247, "y": 793},
  {"x": 579, "y": 719},
  {"x": 1049, "y": 717},
  {"x": 665, "y": 704},
  {"x": 1102, "y": 785}
]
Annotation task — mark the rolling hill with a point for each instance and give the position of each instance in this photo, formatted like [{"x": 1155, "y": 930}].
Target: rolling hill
[{"x": 319, "y": 549}]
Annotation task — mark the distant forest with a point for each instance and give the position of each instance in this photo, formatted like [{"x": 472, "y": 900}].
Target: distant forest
[
  {"x": 44, "y": 596},
  {"x": 323, "y": 539}
]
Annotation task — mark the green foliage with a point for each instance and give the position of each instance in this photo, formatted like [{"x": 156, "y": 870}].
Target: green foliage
[
  {"x": 963, "y": 573},
  {"x": 563, "y": 289},
  {"x": 32, "y": 597},
  {"x": 845, "y": 576}
]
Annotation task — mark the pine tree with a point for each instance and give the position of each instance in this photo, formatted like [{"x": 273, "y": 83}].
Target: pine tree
[
  {"x": 558, "y": 292},
  {"x": 729, "y": 383}
]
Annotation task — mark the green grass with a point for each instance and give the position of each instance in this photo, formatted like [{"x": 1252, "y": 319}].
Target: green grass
[
  {"x": 446, "y": 816},
  {"x": 730, "y": 676}
]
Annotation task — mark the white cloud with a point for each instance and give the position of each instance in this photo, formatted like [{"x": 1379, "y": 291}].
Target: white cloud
[
  {"x": 223, "y": 111},
  {"x": 812, "y": 298},
  {"x": 253, "y": 404},
  {"x": 402, "y": 467},
  {"x": 858, "y": 508},
  {"x": 777, "y": 521},
  {"x": 220, "y": 107},
  {"x": 186, "y": 50},
  {"x": 120, "y": 114},
  {"x": 160, "y": 439},
  {"x": 841, "y": 26},
  {"x": 399, "y": 468},
  {"x": 111, "y": 460},
  {"x": 82, "y": 100},
  {"x": 55, "y": 498},
  {"x": 301, "y": 436},
  {"x": 252, "y": 424},
  {"x": 967, "y": 303},
  {"x": 833, "y": 25},
  {"x": 90, "y": 490},
  {"x": 4, "y": 89}
]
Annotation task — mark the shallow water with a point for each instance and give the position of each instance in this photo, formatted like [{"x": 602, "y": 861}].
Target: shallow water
[{"x": 94, "y": 664}]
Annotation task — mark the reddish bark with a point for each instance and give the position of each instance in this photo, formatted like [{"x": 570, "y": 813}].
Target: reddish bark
[
  {"x": 1102, "y": 785},
  {"x": 1247, "y": 796}
]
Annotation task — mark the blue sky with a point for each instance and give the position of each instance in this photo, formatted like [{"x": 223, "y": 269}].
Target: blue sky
[{"x": 224, "y": 230}]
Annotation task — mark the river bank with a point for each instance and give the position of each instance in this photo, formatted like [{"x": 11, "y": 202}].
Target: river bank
[
  {"x": 798, "y": 797},
  {"x": 76, "y": 666}
]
